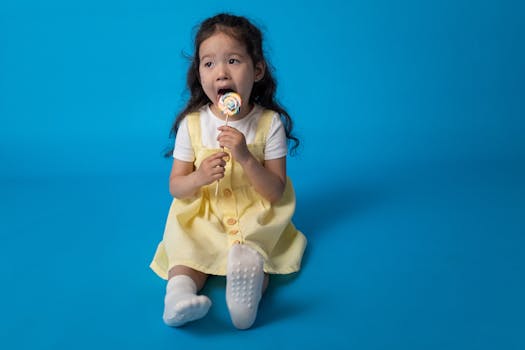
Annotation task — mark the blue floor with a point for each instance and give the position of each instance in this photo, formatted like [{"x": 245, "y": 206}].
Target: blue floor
[
  {"x": 429, "y": 257},
  {"x": 410, "y": 181}
]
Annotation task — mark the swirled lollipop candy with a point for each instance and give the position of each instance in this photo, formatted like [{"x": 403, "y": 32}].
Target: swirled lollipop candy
[{"x": 230, "y": 103}]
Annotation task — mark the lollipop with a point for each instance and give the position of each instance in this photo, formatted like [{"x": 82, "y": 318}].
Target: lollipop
[{"x": 229, "y": 104}]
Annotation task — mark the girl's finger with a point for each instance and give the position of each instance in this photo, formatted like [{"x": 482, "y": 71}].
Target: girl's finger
[
  {"x": 218, "y": 155},
  {"x": 227, "y": 138},
  {"x": 219, "y": 163},
  {"x": 218, "y": 171}
]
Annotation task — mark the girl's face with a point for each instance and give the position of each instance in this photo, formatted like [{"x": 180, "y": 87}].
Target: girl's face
[{"x": 225, "y": 66}]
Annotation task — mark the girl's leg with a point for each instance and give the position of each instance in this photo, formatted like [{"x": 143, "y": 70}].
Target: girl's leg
[
  {"x": 182, "y": 304},
  {"x": 245, "y": 283},
  {"x": 198, "y": 277},
  {"x": 266, "y": 281}
]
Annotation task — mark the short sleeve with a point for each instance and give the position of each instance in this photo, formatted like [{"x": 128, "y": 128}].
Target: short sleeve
[
  {"x": 276, "y": 146},
  {"x": 183, "y": 149}
]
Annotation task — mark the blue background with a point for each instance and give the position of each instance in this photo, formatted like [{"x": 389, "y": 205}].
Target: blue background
[{"x": 410, "y": 177}]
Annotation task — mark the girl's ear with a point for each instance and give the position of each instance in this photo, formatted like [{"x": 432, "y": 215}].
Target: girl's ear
[{"x": 260, "y": 69}]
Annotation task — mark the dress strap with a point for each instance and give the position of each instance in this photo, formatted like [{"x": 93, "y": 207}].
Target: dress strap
[
  {"x": 263, "y": 126},
  {"x": 194, "y": 129}
]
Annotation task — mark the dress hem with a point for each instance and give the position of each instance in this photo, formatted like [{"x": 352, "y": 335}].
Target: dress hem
[{"x": 162, "y": 273}]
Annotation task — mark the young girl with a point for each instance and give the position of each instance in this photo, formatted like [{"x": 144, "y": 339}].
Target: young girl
[{"x": 243, "y": 230}]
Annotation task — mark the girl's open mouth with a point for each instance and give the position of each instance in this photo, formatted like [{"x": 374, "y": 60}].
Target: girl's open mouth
[{"x": 224, "y": 91}]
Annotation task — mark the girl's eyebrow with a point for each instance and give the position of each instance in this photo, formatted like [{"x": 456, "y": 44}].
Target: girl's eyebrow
[
  {"x": 228, "y": 54},
  {"x": 206, "y": 56},
  {"x": 235, "y": 53}
]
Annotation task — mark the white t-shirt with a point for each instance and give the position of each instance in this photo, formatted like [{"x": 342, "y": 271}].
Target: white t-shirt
[{"x": 275, "y": 147}]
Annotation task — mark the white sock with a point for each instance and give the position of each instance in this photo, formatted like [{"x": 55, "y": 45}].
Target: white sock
[
  {"x": 182, "y": 304},
  {"x": 244, "y": 282}
]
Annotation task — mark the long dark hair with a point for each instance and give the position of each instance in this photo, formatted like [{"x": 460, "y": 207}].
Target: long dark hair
[{"x": 263, "y": 92}]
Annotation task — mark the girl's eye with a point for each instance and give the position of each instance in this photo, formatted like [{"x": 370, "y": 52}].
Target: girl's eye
[
  {"x": 208, "y": 64},
  {"x": 233, "y": 61}
]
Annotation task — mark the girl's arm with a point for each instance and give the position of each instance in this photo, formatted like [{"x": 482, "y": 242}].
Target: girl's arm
[
  {"x": 185, "y": 181},
  {"x": 268, "y": 179}
]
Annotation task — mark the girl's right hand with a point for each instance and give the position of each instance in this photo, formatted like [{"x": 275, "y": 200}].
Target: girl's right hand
[{"x": 212, "y": 168}]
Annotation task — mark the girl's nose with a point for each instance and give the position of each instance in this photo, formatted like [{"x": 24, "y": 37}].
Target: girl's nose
[{"x": 222, "y": 72}]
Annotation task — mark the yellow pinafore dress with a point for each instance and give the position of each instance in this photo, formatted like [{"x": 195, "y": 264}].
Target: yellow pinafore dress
[{"x": 200, "y": 230}]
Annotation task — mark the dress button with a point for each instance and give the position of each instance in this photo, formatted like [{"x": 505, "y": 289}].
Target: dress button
[
  {"x": 231, "y": 221},
  {"x": 234, "y": 232},
  {"x": 227, "y": 192}
]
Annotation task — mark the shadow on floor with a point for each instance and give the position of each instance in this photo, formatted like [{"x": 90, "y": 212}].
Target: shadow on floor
[{"x": 319, "y": 209}]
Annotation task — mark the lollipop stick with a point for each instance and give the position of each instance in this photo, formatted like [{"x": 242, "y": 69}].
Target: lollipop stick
[
  {"x": 229, "y": 104},
  {"x": 217, "y": 184}
]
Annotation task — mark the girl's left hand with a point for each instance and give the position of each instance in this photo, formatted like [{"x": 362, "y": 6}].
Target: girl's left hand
[{"x": 234, "y": 140}]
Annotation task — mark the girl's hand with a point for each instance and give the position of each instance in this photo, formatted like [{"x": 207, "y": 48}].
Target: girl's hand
[
  {"x": 234, "y": 140},
  {"x": 211, "y": 168}
]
